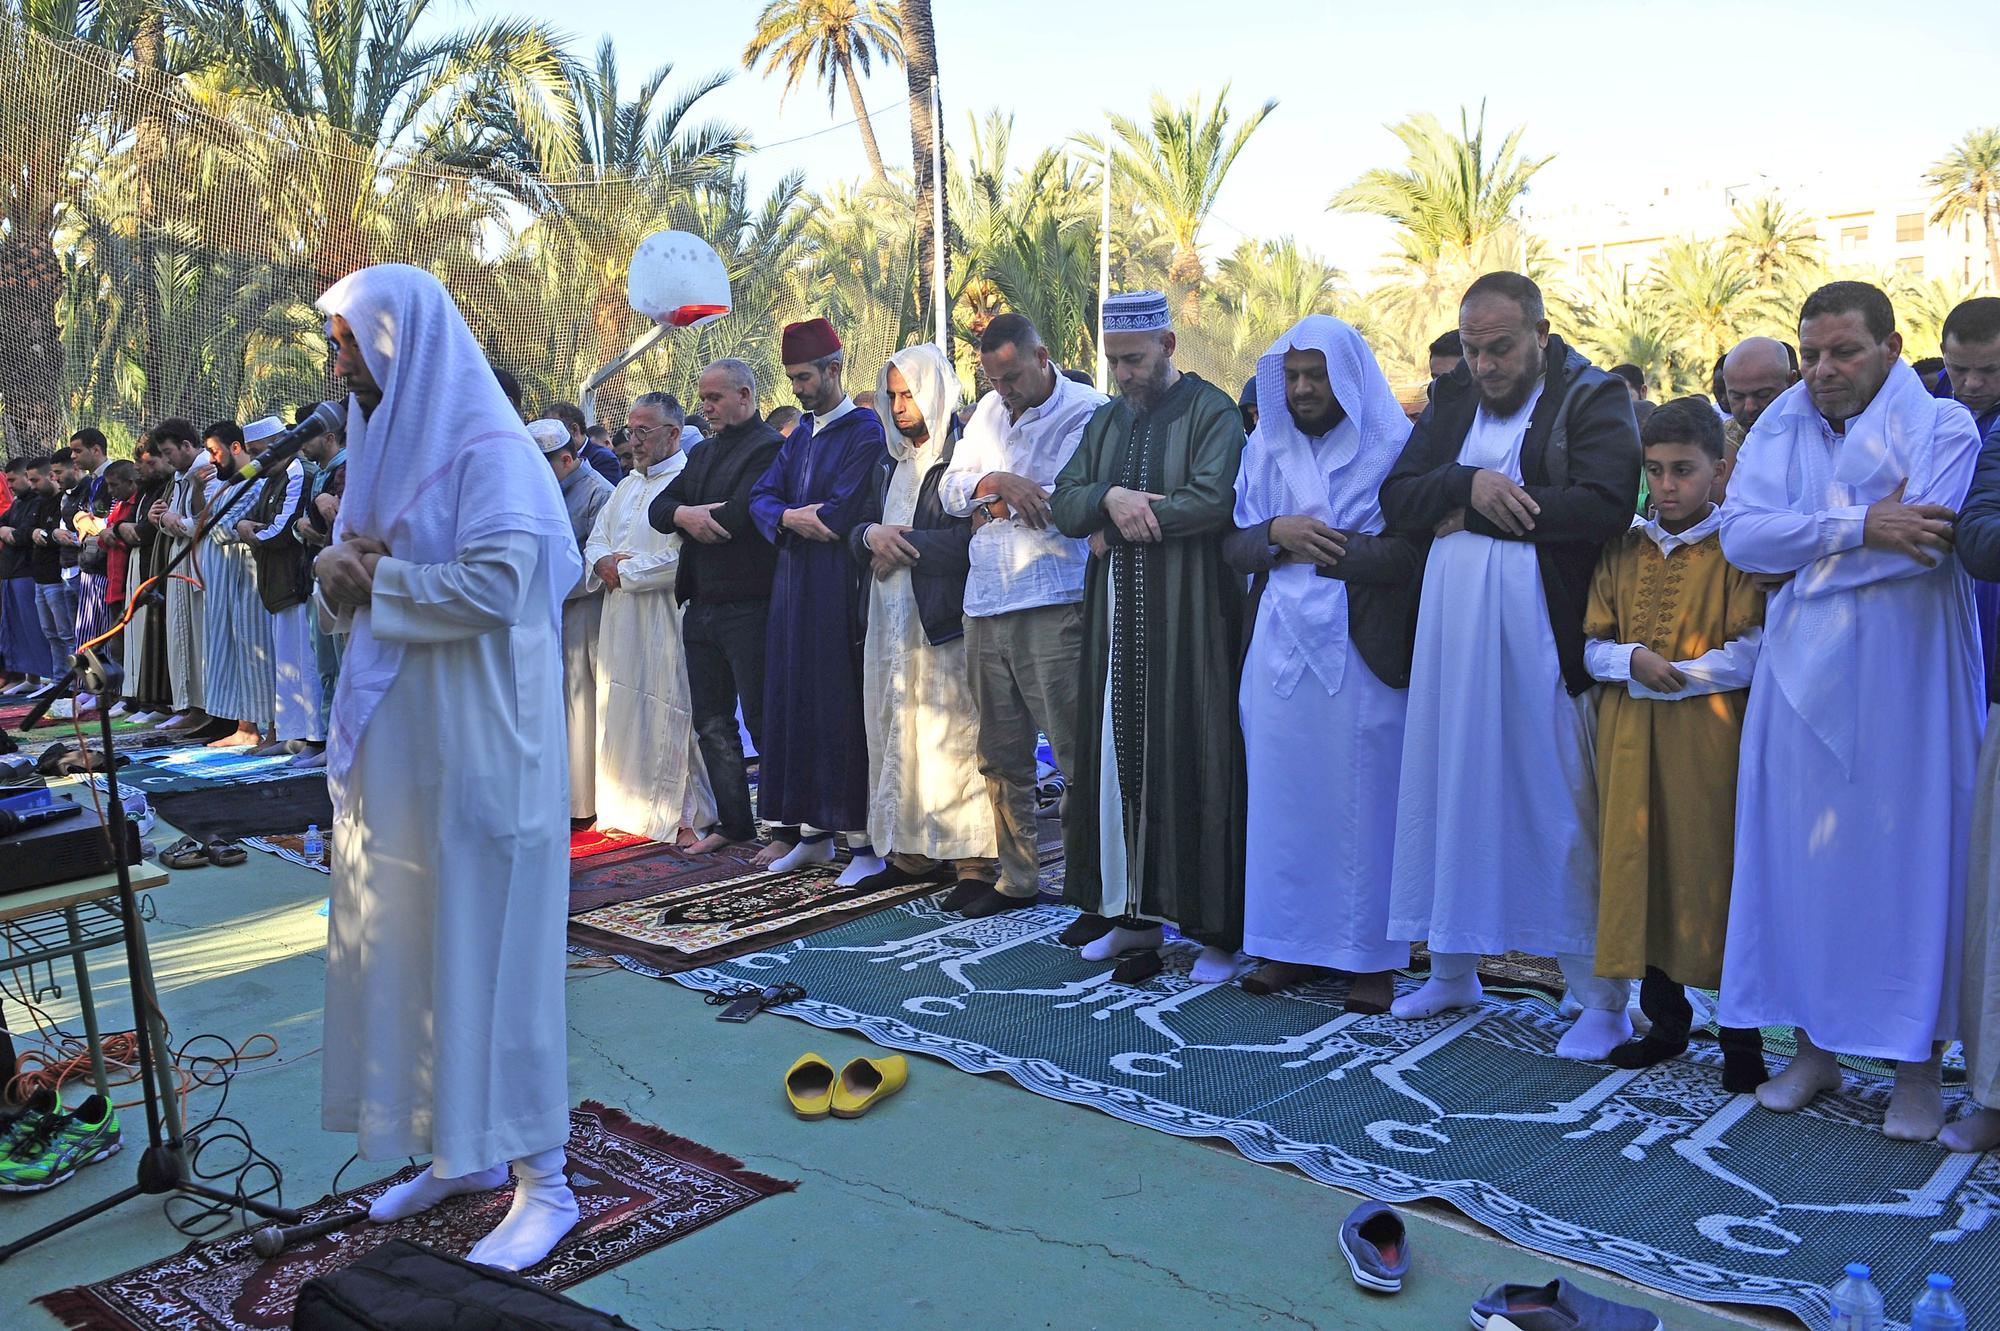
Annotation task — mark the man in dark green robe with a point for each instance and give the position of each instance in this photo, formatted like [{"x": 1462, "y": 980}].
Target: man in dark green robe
[{"x": 1154, "y": 822}]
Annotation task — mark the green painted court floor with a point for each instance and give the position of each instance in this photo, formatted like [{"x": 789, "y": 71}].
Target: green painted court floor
[{"x": 963, "y": 1202}]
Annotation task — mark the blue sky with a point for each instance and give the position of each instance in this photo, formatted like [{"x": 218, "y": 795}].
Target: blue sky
[{"x": 1627, "y": 96}]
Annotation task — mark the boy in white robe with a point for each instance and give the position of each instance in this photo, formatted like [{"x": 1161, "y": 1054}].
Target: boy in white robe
[{"x": 447, "y": 763}]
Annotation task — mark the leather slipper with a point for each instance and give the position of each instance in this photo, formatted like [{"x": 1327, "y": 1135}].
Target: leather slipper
[
  {"x": 223, "y": 853},
  {"x": 187, "y": 853}
]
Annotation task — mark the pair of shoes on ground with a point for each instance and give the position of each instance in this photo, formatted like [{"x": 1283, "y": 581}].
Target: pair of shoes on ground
[
  {"x": 1376, "y": 1245},
  {"x": 188, "y": 853},
  {"x": 977, "y": 899},
  {"x": 43, "y": 1145},
  {"x": 815, "y": 1091}
]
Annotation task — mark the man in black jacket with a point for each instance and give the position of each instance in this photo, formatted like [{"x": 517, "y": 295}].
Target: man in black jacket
[
  {"x": 22, "y": 645},
  {"x": 1523, "y": 465},
  {"x": 725, "y": 584}
]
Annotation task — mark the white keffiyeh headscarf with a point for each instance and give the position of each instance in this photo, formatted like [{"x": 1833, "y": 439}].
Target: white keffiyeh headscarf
[
  {"x": 441, "y": 462},
  {"x": 934, "y": 383},
  {"x": 1811, "y": 640},
  {"x": 1284, "y": 472}
]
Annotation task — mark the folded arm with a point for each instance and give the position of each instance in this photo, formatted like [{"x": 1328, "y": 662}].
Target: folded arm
[{"x": 486, "y": 588}]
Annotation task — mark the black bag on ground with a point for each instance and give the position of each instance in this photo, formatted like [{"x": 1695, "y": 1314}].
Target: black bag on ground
[{"x": 404, "y": 1286}]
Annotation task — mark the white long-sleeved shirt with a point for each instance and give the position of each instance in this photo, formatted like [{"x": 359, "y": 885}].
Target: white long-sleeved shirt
[
  {"x": 1716, "y": 670},
  {"x": 1013, "y": 566}
]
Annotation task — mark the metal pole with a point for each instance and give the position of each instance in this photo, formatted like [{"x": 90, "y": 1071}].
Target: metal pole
[
  {"x": 1104, "y": 265},
  {"x": 937, "y": 222}
]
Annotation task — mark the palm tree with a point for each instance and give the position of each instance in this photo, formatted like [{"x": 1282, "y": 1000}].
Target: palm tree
[
  {"x": 920, "y": 67},
  {"x": 1966, "y": 182},
  {"x": 1618, "y": 323},
  {"x": 1176, "y": 162},
  {"x": 1773, "y": 240},
  {"x": 1450, "y": 197},
  {"x": 354, "y": 86},
  {"x": 1707, "y": 291},
  {"x": 834, "y": 38},
  {"x": 1268, "y": 286}
]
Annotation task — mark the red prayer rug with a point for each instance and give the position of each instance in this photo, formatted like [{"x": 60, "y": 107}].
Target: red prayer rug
[
  {"x": 638, "y": 1187},
  {"x": 591, "y": 841}
]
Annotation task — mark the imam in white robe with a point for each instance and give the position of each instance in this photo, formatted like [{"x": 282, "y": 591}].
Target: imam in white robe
[
  {"x": 1496, "y": 828},
  {"x": 1854, "y": 808},
  {"x": 650, "y": 777}
]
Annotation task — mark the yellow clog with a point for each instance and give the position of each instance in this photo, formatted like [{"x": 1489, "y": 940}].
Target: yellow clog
[
  {"x": 809, "y": 1086},
  {"x": 866, "y": 1081}
]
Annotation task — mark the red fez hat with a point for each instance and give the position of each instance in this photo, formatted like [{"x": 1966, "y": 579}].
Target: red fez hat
[{"x": 808, "y": 341}]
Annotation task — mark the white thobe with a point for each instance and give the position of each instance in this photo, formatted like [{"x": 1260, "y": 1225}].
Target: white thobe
[
  {"x": 925, "y": 793},
  {"x": 1496, "y": 830},
  {"x": 1849, "y": 887},
  {"x": 444, "y": 1026},
  {"x": 186, "y": 607},
  {"x": 1321, "y": 830},
  {"x": 650, "y": 776},
  {"x": 582, "y": 616}
]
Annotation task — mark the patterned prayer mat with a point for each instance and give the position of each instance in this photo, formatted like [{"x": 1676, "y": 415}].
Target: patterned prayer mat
[
  {"x": 666, "y": 913},
  {"x": 638, "y": 1187},
  {"x": 287, "y": 846},
  {"x": 1656, "y": 1174}
]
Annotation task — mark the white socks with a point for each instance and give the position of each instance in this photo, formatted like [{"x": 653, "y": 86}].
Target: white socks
[
  {"x": 819, "y": 850},
  {"x": 865, "y": 863},
  {"x": 427, "y": 1190},
  {"x": 1916, "y": 1105},
  {"x": 544, "y": 1210},
  {"x": 1812, "y": 1072},
  {"x": 1121, "y": 940},
  {"x": 1215, "y": 965},
  {"x": 1454, "y": 983},
  {"x": 1978, "y": 1131},
  {"x": 1596, "y": 1033}
]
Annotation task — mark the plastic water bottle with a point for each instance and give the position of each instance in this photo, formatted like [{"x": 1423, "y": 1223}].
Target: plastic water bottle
[
  {"x": 1939, "y": 1309},
  {"x": 315, "y": 847},
  {"x": 1857, "y": 1304}
]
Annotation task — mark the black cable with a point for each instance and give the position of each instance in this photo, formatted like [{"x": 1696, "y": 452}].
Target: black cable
[{"x": 195, "y": 1217}]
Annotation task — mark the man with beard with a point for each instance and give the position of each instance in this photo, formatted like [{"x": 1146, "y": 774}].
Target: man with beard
[
  {"x": 927, "y": 809},
  {"x": 1326, "y": 675},
  {"x": 148, "y": 683},
  {"x": 1523, "y": 465},
  {"x": 187, "y": 603},
  {"x": 239, "y": 677},
  {"x": 1154, "y": 829},
  {"x": 821, "y": 485}
]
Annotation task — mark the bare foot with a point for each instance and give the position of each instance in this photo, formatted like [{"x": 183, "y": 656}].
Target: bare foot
[
  {"x": 1272, "y": 976},
  {"x": 772, "y": 853},
  {"x": 713, "y": 842},
  {"x": 242, "y": 739}
]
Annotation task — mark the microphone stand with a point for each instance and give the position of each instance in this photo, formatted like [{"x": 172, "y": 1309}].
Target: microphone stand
[{"x": 163, "y": 1166}]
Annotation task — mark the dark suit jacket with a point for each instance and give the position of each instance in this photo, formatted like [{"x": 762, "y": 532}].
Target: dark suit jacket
[
  {"x": 1383, "y": 574},
  {"x": 1586, "y": 482},
  {"x": 722, "y": 469}
]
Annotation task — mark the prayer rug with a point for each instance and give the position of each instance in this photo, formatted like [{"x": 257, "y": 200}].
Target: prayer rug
[
  {"x": 691, "y": 913},
  {"x": 590, "y": 841},
  {"x": 200, "y": 768},
  {"x": 638, "y": 1188},
  {"x": 1656, "y": 1174},
  {"x": 256, "y": 809},
  {"x": 287, "y": 846}
]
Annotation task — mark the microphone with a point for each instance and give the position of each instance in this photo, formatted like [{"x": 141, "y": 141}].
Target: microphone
[
  {"x": 288, "y": 445},
  {"x": 269, "y": 1241}
]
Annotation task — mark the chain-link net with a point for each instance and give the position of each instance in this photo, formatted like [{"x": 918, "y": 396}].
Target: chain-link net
[{"x": 162, "y": 243}]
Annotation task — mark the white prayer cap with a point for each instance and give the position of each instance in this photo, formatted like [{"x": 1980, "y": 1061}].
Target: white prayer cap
[
  {"x": 549, "y": 436},
  {"x": 1136, "y": 312},
  {"x": 269, "y": 427}
]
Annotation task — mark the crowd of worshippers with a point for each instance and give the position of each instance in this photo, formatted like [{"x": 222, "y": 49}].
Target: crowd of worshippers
[{"x": 1687, "y": 694}]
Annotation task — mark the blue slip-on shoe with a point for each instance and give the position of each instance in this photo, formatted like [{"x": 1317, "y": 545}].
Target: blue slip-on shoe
[
  {"x": 1376, "y": 1246},
  {"x": 1558, "y": 1306}
]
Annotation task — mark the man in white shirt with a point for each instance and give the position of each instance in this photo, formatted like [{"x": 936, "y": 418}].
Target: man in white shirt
[{"x": 1024, "y": 591}]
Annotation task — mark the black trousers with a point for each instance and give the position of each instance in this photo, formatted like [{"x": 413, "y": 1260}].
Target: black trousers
[{"x": 725, "y": 664}]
